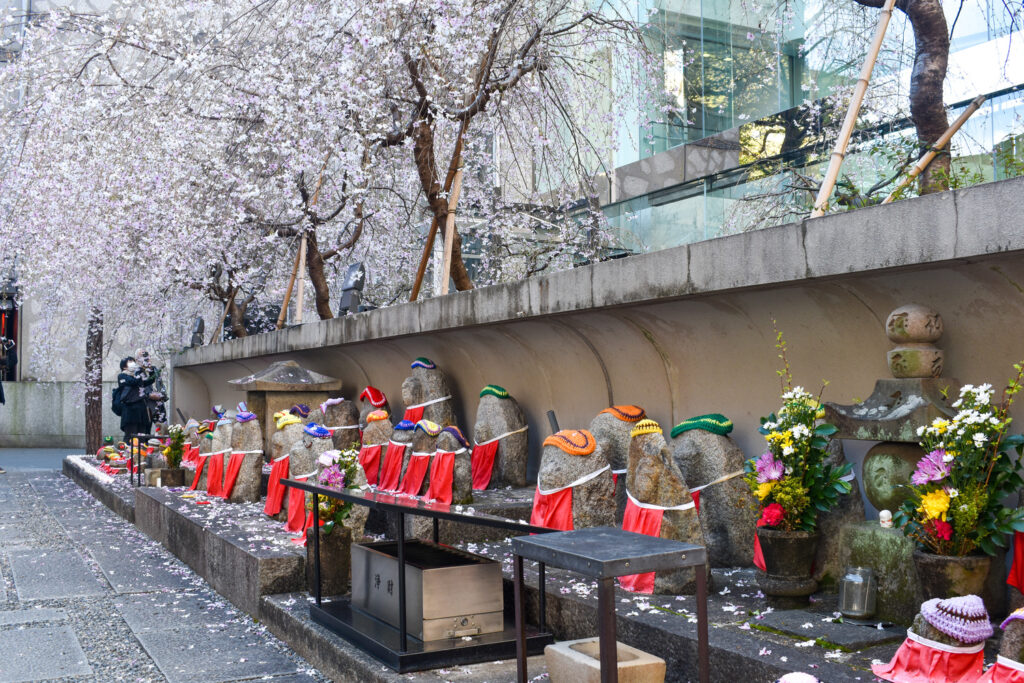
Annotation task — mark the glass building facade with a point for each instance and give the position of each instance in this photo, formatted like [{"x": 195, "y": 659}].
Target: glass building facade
[{"x": 751, "y": 89}]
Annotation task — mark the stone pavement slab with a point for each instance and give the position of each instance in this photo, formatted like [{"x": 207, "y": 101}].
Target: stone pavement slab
[
  {"x": 129, "y": 573},
  {"x": 43, "y": 573},
  {"x": 204, "y": 655},
  {"x": 807, "y": 625},
  {"x": 40, "y": 653},
  {"x": 14, "y": 531},
  {"x": 31, "y": 616},
  {"x": 160, "y": 611}
]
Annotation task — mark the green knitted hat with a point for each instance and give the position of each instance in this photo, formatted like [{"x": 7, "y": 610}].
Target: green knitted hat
[
  {"x": 494, "y": 390},
  {"x": 714, "y": 423}
]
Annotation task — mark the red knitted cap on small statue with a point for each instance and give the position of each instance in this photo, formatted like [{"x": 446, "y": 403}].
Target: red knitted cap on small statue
[{"x": 374, "y": 395}]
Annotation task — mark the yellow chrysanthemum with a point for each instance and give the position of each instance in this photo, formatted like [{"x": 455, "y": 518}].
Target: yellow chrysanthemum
[
  {"x": 940, "y": 425},
  {"x": 764, "y": 489},
  {"x": 934, "y": 505},
  {"x": 780, "y": 439}
]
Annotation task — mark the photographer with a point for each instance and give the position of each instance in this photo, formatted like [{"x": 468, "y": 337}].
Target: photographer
[
  {"x": 133, "y": 382},
  {"x": 156, "y": 398},
  {"x": 8, "y": 359}
]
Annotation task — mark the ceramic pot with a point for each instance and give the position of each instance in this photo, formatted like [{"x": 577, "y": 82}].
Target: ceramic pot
[
  {"x": 788, "y": 559},
  {"x": 947, "y": 576}
]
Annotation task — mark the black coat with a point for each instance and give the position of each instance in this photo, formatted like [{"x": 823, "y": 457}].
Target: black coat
[{"x": 134, "y": 415}]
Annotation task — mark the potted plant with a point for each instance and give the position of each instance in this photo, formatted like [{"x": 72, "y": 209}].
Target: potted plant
[
  {"x": 340, "y": 472},
  {"x": 793, "y": 481},
  {"x": 173, "y": 474},
  {"x": 955, "y": 512}
]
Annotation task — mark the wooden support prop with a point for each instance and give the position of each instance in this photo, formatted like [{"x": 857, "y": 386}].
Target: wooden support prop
[
  {"x": 302, "y": 280},
  {"x": 449, "y": 231},
  {"x": 288, "y": 292},
  {"x": 839, "y": 153},
  {"x": 939, "y": 145},
  {"x": 219, "y": 330}
]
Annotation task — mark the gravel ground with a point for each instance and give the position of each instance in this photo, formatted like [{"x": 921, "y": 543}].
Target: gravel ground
[{"x": 72, "y": 569}]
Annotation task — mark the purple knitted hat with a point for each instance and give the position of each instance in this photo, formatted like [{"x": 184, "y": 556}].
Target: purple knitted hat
[
  {"x": 1014, "y": 615},
  {"x": 962, "y": 618}
]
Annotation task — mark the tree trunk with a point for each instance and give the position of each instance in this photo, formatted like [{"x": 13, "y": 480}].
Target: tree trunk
[
  {"x": 927, "y": 111},
  {"x": 426, "y": 168},
  {"x": 318, "y": 277},
  {"x": 94, "y": 382},
  {"x": 931, "y": 40},
  {"x": 236, "y": 314}
]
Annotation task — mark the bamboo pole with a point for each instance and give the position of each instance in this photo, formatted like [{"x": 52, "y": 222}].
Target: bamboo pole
[
  {"x": 839, "y": 153},
  {"x": 302, "y": 281},
  {"x": 449, "y": 231},
  {"x": 939, "y": 145},
  {"x": 428, "y": 248},
  {"x": 288, "y": 292}
]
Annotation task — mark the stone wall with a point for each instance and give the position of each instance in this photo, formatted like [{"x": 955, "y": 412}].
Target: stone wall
[
  {"x": 687, "y": 331},
  {"x": 49, "y": 415}
]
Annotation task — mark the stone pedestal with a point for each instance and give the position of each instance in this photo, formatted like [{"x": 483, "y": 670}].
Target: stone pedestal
[
  {"x": 579, "y": 661},
  {"x": 890, "y": 554},
  {"x": 335, "y": 561}
]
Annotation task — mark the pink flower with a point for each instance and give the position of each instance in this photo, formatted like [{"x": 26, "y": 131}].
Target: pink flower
[
  {"x": 772, "y": 514},
  {"x": 768, "y": 468},
  {"x": 931, "y": 467}
]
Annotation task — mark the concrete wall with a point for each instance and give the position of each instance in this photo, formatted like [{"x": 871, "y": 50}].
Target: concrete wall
[
  {"x": 49, "y": 415},
  {"x": 687, "y": 331}
]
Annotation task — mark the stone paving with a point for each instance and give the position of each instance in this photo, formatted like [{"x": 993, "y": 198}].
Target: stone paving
[{"x": 86, "y": 597}]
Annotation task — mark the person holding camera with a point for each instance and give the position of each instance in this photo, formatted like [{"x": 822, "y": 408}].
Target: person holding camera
[
  {"x": 132, "y": 384},
  {"x": 156, "y": 397}
]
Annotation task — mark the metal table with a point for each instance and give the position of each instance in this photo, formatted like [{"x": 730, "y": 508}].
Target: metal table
[
  {"x": 604, "y": 553},
  {"x": 395, "y": 647}
]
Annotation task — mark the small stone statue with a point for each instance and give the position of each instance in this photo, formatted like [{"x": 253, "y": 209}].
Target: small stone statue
[
  {"x": 611, "y": 428},
  {"x": 702, "y": 449},
  {"x": 342, "y": 418},
  {"x": 247, "y": 440},
  {"x": 451, "y": 463},
  {"x": 376, "y": 437},
  {"x": 1012, "y": 646},
  {"x": 222, "y": 430},
  {"x": 192, "y": 436},
  {"x": 573, "y": 467},
  {"x": 373, "y": 399},
  {"x": 427, "y": 394},
  {"x": 415, "y": 478},
  {"x": 396, "y": 456},
  {"x": 655, "y": 486},
  {"x": 885, "y": 519},
  {"x": 501, "y": 440},
  {"x": 289, "y": 432},
  {"x": 304, "y": 456}
]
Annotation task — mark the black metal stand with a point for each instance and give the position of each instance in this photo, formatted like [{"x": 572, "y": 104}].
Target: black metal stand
[
  {"x": 604, "y": 553},
  {"x": 135, "y": 455},
  {"x": 394, "y": 647}
]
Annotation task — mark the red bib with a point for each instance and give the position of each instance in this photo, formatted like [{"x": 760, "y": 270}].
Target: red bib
[
  {"x": 482, "y": 464},
  {"x": 920, "y": 660},
  {"x": 553, "y": 510},
  {"x": 1016, "y": 576},
  {"x": 1004, "y": 671},
  {"x": 275, "y": 489},
  {"x": 215, "y": 475},
  {"x": 415, "y": 472},
  {"x": 442, "y": 474},
  {"x": 644, "y": 521},
  {"x": 296, "y": 508},
  {"x": 231, "y": 474},
  {"x": 414, "y": 414},
  {"x": 391, "y": 470},
  {"x": 369, "y": 460},
  {"x": 758, "y": 555},
  {"x": 201, "y": 463}
]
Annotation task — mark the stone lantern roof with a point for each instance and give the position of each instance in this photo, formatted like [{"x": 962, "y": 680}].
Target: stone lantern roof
[{"x": 286, "y": 376}]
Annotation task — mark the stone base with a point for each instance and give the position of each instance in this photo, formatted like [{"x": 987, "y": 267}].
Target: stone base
[
  {"x": 890, "y": 554},
  {"x": 221, "y": 552},
  {"x": 77, "y": 468},
  {"x": 786, "y": 592},
  {"x": 577, "y": 661}
]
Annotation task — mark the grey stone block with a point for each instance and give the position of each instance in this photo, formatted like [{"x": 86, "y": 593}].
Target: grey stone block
[
  {"x": 46, "y": 574},
  {"x": 14, "y": 531},
  {"x": 40, "y": 653},
  {"x": 206, "y": 655},
  {"x": 122, "y": 504},
  {"x": 849, "y": 635},
  {"x": 154, "y": 612},
  {"x": 31, "y": 616}
]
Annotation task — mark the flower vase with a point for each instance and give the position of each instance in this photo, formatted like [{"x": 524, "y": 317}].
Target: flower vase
[
  {"x": 787, "y": 579},
  {"x": 335, "y": 560},
  {"x": 947, "y": 576}
]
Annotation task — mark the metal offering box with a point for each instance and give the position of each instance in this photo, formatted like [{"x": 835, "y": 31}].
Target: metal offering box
[{"x": 449, "y": 593}]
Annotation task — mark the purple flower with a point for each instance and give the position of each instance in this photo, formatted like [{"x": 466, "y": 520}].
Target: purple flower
[
  {"x": 333, "y": 477},
  {"x": 931, "y": 467},
  {"x": 768, "y": 468}
]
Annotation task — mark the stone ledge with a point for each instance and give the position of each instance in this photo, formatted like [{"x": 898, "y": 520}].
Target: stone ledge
[
  {"x": 77, "y": 469},
  {"x": 956, "y": 225},
  {"x": 220, "y": 549}
]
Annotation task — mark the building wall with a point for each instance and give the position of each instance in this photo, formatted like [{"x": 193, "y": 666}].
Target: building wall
[{"x": 49, "y": 415}]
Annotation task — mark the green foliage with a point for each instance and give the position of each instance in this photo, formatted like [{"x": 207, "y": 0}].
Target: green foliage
[{"x": 176, "y": 447}]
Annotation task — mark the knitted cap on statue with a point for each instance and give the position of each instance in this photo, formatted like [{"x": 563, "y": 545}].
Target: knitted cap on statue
[
  {"x": 659, "y": 504},
  {"x": 289, "y": 431},
  {"x": 304, "y": 454},
  {"x": 944, "y": 644},
  {"x": 573, "y": 466},
  {"x": 705, "y": 454},
  {"x": 500, "y": 440},
  {"x": 427, "y": 395},
  {"x": 611, "y": 428},
  {"x": 1009, "y": 666},
  {"x": 370, "y": 400}
]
